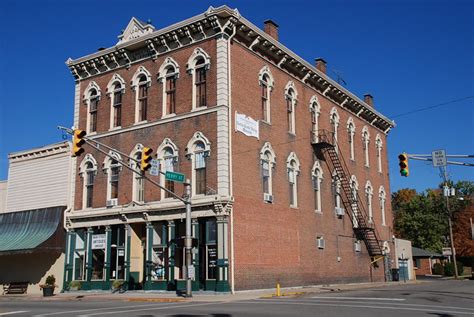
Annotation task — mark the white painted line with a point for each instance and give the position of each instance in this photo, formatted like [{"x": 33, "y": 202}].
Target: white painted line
[
  {"x": 361, "y": 298},
  {"x": 151, "y": 308},
  {"x": 14, "y": 312},
  {"x": 92, "y": 309},
  {"x": 272, "y": 302}
]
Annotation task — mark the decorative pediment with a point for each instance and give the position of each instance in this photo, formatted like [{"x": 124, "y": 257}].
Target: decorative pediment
[{"x": 135, "y": 29}]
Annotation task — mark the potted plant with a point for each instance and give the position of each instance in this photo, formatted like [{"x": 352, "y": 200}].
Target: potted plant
[
  {"x": 48, "y": 287},
  {"x": 117, "y": 285},
  {"x": 75, "y": 285}
]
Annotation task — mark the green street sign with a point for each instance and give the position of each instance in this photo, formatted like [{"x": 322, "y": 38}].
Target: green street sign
[{"x": 175, "y": 177}]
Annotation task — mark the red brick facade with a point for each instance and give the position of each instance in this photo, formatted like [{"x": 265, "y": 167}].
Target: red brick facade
[{"x": 259, "y": 243}]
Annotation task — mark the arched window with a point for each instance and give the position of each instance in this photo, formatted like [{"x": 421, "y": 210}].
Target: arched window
[
  {"x": 267, "y": 161},
  {"x": 266, "y": 83},
  {"x": 382, "y": 199},
  {"x": 141, "y": 81},
  {"x": 293, "y": 167},
  {"x": 315, "y": 110},
  {"x": 88, "y": 170},
  {"x": 168, "y": 74},
  {"x": 198, "y": 151},
  {"x": 291, "y": 98},
  {"x": 92, "y": 97},
  {"x": 354, "y": 201},
  {"x": 351, "y": 133},
  {"x": 336, "y": 190},
  {"x": 112, "y": 168},
  {"x": 334, "y": 120},
  {"x": 379, "y": 145},
  {"x": 365, "y": 143},
  {"x": 198, "y": 65},
  {"x": 369, "y": 192},
  {"x": 138, "y": 182},
  {"x": 317, "y": 176},
  {"x": 168, "y": 156},
  {"x": 115, "y": 91}
]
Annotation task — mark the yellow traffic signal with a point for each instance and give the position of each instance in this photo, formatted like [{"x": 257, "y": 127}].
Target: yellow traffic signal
[
  {"x": 146, "y": 159},
  {"x": 403, "y": 158},
  {"x": 78, "y": 142}
]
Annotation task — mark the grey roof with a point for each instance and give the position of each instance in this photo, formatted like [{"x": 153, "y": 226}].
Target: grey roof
[{"x": 417, "y": 252}]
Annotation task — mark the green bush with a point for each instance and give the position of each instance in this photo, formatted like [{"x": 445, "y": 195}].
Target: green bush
[
  {"x": 75, "y": 284},
  {"x": 50, "y": 280},
  {"x": 449, "y": 268},
  {"x": 438, "y": 269},
  {"x": 117, "y": 284}
]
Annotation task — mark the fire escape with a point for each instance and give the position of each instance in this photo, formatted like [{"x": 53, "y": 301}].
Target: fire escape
[{"x": 325, "y": 148}]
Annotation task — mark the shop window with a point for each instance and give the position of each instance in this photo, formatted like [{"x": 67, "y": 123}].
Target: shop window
[
  {"x": 159, "y": 252},
  {"x": 98, "y": 245},
  {"x": 211, "y": 249},
  {"x": 79, "y": 255},
  {"x": 117, "y": 256}
]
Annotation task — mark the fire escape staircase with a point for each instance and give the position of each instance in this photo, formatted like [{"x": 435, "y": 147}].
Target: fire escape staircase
[{"x": 325, "y": 148}]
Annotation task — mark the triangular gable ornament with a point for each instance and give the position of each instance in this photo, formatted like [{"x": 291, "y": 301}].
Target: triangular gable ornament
[{"x": 135, "y": 29}]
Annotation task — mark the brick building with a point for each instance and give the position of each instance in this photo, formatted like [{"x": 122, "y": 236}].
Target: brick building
[{"x": 242, "y": 116}]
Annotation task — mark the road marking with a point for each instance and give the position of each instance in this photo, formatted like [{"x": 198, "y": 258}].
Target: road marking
[
  {"x": 152, "y": 308},
  {"x": 361, "y": 298},
  {"x": 271, "y": 302},
  {"x": 14, "y": 312},
  {"x": 92, "y": 309}
]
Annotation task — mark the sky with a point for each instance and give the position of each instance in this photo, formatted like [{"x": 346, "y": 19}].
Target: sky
[{"x": 409, "y": 54}]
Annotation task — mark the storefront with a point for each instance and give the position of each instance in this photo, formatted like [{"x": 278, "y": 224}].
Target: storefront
[{"x": 148, "y": 255}]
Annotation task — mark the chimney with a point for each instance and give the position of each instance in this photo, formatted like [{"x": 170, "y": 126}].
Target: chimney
[
  {"x": 271, "y": 28},
  {"x": 368, "y": 99},
  {"x": 320, "y": 64}
]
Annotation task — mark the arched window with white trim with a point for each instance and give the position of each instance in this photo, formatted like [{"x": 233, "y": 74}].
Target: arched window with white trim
[
  {"x": 382, "y": 200},
  {"x": 336, "y": 190},
  {"x": 317, "y": 178},
  {"x": 365, "y": 144},
  {"x": 369, "y": 193},
  {"x": 168, "y": 74},
  {"x": 91, "y": 98},
  {"x": 88, "y": 171},
  {"x": 266, "y": 83},
  {"x": 351, "y": 132},
  {"x": 354, "y": 200},
  {"x": 141, "y": 82},
  {"x": 198, "y": 65},
  {"x": 315, "y": 110},
  {"x": 379, "y": 146},
  {"x": 138, "y": 182},
  {"x": 291, "y": 97},
  {"x": 112, "y": 168},
  {"x": 334, "y": 121},
  {"x": 267, "y": 161},
  {"x": 115, "y": 90},
  {"x": 198, "y": 150},
  {"x": 168, "y": 157},
  {"x": 293, "y": 167}
]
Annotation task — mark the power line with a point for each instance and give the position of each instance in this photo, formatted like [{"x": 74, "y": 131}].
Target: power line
[{"x": 431, "y": 107}]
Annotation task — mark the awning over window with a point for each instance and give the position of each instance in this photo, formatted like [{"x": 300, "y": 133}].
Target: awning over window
[{"x": 24, "y": 231}]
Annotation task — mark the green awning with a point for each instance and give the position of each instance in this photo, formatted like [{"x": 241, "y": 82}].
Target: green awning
[{"x": 23, "y": 231}]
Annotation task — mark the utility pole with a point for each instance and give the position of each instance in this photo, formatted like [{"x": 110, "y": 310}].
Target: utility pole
[
  {"x": 188, "y": 241},
  {"x": 447, "y": 193}
]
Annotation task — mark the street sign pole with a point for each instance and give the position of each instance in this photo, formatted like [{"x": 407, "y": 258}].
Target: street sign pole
[{"x": 187, "y": 240}]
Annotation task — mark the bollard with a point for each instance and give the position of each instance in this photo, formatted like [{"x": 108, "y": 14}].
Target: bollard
[{"x": 278, "y": 294}]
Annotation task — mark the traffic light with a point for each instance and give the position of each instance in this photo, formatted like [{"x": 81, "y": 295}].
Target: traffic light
[
  {"x": 146, "y": 159},
  {"x": 78, "y": 142},
  {"x": 403, "y": 158}
]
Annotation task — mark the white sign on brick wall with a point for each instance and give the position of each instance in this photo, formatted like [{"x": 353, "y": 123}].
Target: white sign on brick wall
[{"x": 246, "y": 125}]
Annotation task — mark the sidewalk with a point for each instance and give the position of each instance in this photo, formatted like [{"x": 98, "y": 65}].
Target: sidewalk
[{"x": 201, "y": 296}]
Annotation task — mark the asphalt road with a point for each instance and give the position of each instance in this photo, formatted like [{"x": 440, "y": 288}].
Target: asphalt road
[{"x": 439, "y": 298}]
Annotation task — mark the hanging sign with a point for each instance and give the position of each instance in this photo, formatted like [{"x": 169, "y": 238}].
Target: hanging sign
[
  {"x": 246, "y": 125},
  {"x": 439, "y": 158},
  {"x": 98, "y": 241},
  {"x": 155, "y": 167}
]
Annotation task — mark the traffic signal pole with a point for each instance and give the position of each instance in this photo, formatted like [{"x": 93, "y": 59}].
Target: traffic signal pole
[{"x": 188, "y": 241}]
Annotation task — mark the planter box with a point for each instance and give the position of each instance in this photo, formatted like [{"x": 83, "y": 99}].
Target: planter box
[{"x": 48, "y": 291}]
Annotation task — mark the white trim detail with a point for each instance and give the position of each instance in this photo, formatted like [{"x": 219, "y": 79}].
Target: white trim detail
[
  {"x": 136, "y": 180},
  {"x": 83, "y": 173},
  {"x": 267, "y": 147},
  {"x": 317, "y": 177},
  {"x": 369, "y": 193},
  {"x": 351, "y": 129},
  {"x": 365, "y": 144},
  {"x": 115, "y": 78},
  {"x": 166, "y": 144},
  {"x": 168, "y": 62},
  {"x": 379, "y": 146},
  {"x": 382, "y": 200},
  {"x": 106, "y": 168},
  {"x": 191, "y": 67},
  {"x": 267, "y": 156},
  {"x": 334, "y": 121},
  {"x": 266, "y": 71},
  {"x": 293, "y": 169},
  {"x": 198, "y": 137}
]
